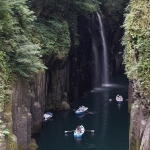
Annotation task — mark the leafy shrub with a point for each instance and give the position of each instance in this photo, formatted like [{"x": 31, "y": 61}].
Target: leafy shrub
[
  {"x": 137, "y": 45},
  {"x": 18, "y": 54},
  {"x": 53, "y": 37}
]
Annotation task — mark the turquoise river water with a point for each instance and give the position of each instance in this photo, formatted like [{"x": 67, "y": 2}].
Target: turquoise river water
[{"x": 109, "y": 121}]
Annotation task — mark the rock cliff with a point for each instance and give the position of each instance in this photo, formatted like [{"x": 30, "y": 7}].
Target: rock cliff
[
  {"x": 28, "y": 105},
  {"x": 139, "y": 134},
  {"x": 31, "y": 99}
]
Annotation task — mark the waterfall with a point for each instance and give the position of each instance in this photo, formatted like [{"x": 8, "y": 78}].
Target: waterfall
[
  {"x": 100, "y": 72},
  {"x": 96, "y": 69},
  {"x": 105, "y": 73}
]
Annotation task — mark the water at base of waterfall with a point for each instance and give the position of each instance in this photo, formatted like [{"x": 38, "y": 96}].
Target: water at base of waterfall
[{"x": 109, "y": 121}]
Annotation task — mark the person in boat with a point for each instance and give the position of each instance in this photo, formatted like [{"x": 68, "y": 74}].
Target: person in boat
[
  {"x": 120, "y": 98},
  {"x": 117, "y": 97},
  {"x": 78, "y": 129},
  {"x": 82, "y": 108}
]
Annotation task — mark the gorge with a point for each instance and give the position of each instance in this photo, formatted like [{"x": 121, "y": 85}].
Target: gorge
[{"x": 47, "y": 62}]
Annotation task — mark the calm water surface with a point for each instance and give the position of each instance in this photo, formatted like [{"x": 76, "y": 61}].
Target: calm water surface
[{"x": 109, "y": 121}]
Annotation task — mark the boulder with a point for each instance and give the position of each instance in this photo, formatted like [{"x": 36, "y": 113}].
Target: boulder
[{"x": 65, "y": 106}]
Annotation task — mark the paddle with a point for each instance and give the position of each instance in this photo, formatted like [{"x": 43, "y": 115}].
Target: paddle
[
  {"x": 90, "y": 130},
  {"x": 69, "y": 131},
  {"x": 74, "y": 130},
  {"x": 111, "y": 99},
  {"x": 94, "y": 112}
]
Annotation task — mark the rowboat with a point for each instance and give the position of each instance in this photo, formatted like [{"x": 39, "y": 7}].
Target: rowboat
[
  {"x": 47, "y": 116},
  {"x": 79, "y": 133},
  {"x": 119, "y": 99},
  {"x": 81, "y": 110}
]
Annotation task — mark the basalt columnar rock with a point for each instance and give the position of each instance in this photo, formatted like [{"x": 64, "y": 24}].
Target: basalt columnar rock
[
  {"x": 58, "y": 83},
  {"x": 139, "y": 134},
  {"x": 28, "y": 104},
  {"x": 31, "y": 99}
]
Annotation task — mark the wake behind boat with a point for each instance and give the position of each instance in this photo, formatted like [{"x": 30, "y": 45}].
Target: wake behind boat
[
  {"x": 79, "y": 131},
  {"x": 47, "y": 116},
  {"x": 81, "y": 110}
]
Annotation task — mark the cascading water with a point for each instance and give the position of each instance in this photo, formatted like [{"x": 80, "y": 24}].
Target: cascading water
[
  {"x": 96, "y": 71},
  {"x": 101, "y": 72},
  {"x": 105, "y": 77}
]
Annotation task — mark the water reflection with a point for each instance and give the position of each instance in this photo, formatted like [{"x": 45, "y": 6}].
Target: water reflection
[
  {"x": 64, "y": 114},
  {"x": 81, "y": 116},
  {"x": 119, "y": 106},
  {"x": 78, "y": 139},
  {"x": 105, "y": 113}
]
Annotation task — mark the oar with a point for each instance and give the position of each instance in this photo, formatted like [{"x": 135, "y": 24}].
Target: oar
[
  {"x": 111, "y": 99},
  {"x": 88, "y": 112},
  {"x": 74, "y": 130},
  {"x": 69, "y": 131},
  {"x": 91, "y": 112},
  {"x": 90, "y": 130}
]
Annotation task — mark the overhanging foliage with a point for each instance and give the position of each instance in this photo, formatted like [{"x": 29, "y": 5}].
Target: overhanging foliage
[
  {"x": 137, "y": 45},
  {"x": 17, "y": 52}
]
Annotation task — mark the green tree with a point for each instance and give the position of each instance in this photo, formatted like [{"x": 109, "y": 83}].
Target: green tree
[
  {"x": 18, "y": 52},
  {"x": 56, "y": 27}
]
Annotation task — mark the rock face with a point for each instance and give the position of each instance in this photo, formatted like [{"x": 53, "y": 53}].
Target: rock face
[
  {"x": 6, "y": 142},
  {"x": 3, "y": 145},
  {"x": 31, "y": 99},
  {"x": 28, "y": 104},
  {"x": 57, "y": 84},
  {"x": 139, "y": 134}
]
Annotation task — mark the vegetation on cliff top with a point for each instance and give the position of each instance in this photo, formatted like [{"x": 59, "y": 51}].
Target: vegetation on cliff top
[
  {"x": 21, "y": 51},
  {"x": 137, "y": 45},
  {"x": 19, "y": 56},
  {"x": 57, "y": 23},
  {"x": 28, "y": 38}
]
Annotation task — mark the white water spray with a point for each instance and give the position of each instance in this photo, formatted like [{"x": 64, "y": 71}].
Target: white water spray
[{"x": 105, "y": 77}]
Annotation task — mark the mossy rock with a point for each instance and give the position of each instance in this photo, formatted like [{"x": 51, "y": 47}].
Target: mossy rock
[
  {"x": 7, "y": 117},
  {"x": 65, "y": 106},
  {"x": 3, "y": 145},
  {"x": 8, "y": 104},
  {"x": 21, "y": 148},
  {"x": 36, "y": 128},
  {"x": 11, "y": 142},
  {"x": 32, "y": 145}
]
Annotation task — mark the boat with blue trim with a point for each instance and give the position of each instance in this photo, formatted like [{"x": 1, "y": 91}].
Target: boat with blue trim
[
  {"x": 47, "y": 116},
  {"x": 79, "y": 131},
  {"x": 81, "y": 110}
]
